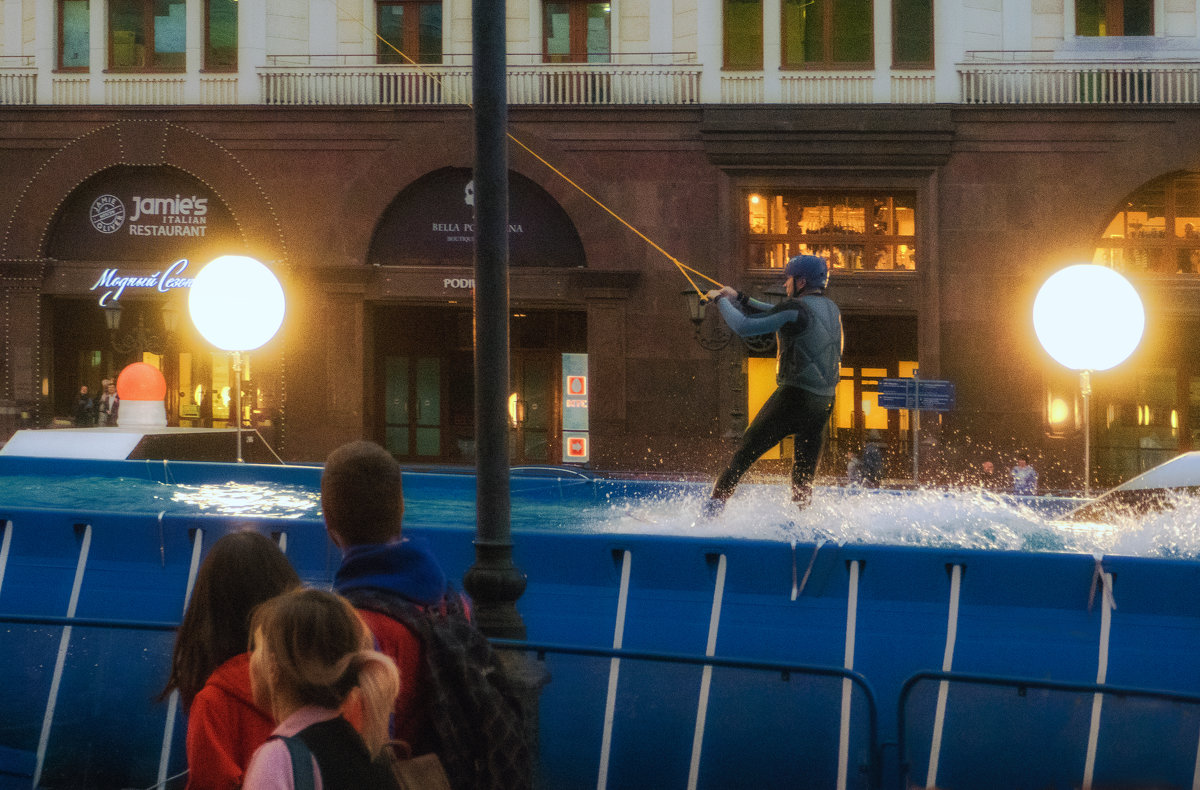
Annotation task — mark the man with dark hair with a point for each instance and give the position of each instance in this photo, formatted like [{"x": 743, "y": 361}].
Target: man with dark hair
[
  {"x": 455, "y": 698},
  {"x": 808, "y": 329},
  {"x": 362, "y": 499}
]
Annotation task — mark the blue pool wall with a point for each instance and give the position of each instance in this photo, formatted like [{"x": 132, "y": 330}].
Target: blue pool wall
[{"x": 1020, "y": 710}]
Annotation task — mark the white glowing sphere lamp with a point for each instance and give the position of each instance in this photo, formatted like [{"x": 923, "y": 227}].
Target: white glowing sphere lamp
[
  {"x": 236, "y": 303},
  {"x": 1088, "y": 317}
]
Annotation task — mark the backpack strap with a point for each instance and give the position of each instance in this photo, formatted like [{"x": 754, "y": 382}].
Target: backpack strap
[{"x": 302, "y": 760}]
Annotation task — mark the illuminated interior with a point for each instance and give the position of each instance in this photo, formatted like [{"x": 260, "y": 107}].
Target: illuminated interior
[{"x": 854, "y": 232}]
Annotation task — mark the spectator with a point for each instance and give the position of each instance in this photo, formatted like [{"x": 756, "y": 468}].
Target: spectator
[
  {"x": 1024, "y": 477},
  {"x": 362, "y": 499},
  {"x": 210, "y": 668},
  {"x": 853, "y": 468},
  {"x": 310, "y": 651},
  {"x": 989, "y": 478},
  {"x": 471, "y": 718},
  {"x": 874, "y": 456},
  {"x": 85, "y": 409}
]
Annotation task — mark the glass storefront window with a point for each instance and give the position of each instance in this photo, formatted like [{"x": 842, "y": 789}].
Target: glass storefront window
[
  {"x": 854, "y": 232},
  {"x": 1156, "y": 231}
]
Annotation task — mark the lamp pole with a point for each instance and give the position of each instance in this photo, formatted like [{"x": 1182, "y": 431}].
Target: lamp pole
[
  {"x": 493, "y": 580},
  {"x": 1085, "y": 389},
  {"x": 237, "y": 399}
]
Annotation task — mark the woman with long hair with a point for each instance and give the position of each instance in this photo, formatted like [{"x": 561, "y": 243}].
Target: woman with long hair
[
  {"x": 309, "y": 651},
  {"x": 211, "y": 666}
]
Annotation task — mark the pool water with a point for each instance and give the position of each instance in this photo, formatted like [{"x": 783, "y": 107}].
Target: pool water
[{"x": 955, "y": 518}]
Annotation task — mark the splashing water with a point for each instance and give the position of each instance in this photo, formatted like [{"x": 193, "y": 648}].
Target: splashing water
[
  {"x": 955, "y": 518},
  {"x": 966, "y": 519}
]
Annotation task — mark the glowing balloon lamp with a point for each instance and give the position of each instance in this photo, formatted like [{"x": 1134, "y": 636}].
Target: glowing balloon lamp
[
  {"x": 236, "y": 303},
  {"x": 1088, "y": 318}
]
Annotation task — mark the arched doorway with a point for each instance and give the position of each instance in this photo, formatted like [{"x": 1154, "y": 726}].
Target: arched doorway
[{"x": 423, "y": 359}]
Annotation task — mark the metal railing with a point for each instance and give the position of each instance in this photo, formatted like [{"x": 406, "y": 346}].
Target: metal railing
[
  {"x": 869, "y": 769},
  {"x": 1021, "y": 686},
  {"x": 18, "y": 79},
  {"x": 1078, "y": 82},
  {"x": 546, "y": 83}
]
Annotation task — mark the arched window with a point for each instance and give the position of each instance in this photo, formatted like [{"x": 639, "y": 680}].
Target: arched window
[
  {"x": 431, "y": 223},
  {"x": 1157, "y": 230}
]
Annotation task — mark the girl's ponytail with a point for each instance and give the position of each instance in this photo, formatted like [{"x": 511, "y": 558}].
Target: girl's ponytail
[{"x": 379, "y": 683}]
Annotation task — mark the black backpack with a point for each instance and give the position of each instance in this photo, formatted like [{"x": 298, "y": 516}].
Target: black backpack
[{"x": 476, "y": 715}]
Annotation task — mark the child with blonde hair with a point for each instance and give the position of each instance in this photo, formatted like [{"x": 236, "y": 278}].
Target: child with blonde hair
[{"x": 309, "y": 652}]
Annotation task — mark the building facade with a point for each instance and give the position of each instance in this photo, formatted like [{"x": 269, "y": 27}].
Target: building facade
[{"x": 946, "y": 158}]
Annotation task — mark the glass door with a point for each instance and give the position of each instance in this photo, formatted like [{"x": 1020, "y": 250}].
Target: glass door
[
  {"x": 413, "y": 406},
  {"x": 531, "y": 407}
]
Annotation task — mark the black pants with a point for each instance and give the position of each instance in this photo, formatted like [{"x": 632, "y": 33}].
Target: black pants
[{"x": 789, "y": 411}]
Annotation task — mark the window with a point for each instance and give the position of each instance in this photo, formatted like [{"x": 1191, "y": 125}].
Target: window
[
  {"x": 1157, "y": 231},
  {"x": 912, "y": 33},
  {"x": 220, "y": 35},
  {"x": 146, "y": 35},
  {"x": 1114, "y": 17},
  {"x": 743, "y": 34},
  {"x": 413, "y": 28},
  {"x": 74, "y": 40},
  {"x": 855, "y": 232},
  {"x": 576, "y": 31},
  {"x": 827, "y": 33}
]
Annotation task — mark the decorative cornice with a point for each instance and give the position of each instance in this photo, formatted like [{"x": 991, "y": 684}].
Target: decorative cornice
[{"x": 808, "y": 137}]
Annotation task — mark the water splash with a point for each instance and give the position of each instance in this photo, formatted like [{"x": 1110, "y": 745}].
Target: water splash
[{"x": 966, "y": 519}]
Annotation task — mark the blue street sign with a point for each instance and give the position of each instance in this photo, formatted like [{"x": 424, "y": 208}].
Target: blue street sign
[{"x": 935, "y": 395}]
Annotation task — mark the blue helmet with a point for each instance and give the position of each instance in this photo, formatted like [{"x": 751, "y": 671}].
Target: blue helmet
[{"x": 813, "y": 269}]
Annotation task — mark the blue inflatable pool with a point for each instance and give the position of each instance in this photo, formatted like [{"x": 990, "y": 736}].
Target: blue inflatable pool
[{"x": 677, "y": 656}]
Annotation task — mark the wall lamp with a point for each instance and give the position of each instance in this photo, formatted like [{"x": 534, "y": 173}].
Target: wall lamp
[
  {"x": 140, "y": 339},
  {"x": 714, "y": 335}
]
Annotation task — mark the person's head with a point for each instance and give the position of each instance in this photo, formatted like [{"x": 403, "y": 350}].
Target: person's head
[
  {"x": 242, "y": 570},
  {"x": 988, "y": 467},
  {"x": 362, "y": 497},
  {"x": 805, "y": 273},
  {"x": 1022, "y": 460},
  {"x": 83, "y": 390},
  {"x": 309, "y": 647}
]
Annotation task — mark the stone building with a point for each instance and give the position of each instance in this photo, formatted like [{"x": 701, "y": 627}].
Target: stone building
[{"x": 946, "y": 157}]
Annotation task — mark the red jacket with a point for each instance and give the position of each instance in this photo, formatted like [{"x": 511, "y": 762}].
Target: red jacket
[
  {"x": 409, "y": 723},
  {"x": 224, "y": 728}
]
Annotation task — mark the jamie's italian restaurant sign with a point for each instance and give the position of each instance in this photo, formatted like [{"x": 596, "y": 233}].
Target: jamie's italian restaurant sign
[{"x": 142, "y": 214}]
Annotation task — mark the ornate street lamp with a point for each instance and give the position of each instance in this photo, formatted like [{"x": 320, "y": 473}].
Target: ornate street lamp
[
  {"x": 712, "y": 336},
  {"x": 140, "y": 339},
  {"x": 1088, "y": 318},
  {"x": 237, "y": 304}
]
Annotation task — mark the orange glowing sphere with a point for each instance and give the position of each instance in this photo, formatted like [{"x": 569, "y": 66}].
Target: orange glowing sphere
[{"x": 140, "y": 381}]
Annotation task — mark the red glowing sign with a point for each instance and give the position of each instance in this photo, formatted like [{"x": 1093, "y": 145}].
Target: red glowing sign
[
  {"x": 577, "y": 386},
  {"x": 577, "y": 447}
]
